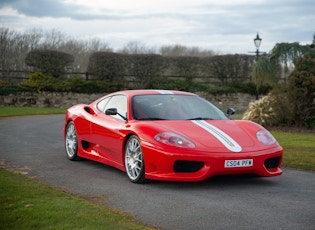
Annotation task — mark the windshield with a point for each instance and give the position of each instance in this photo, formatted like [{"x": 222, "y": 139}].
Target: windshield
[{"x": 174, "y": 107}]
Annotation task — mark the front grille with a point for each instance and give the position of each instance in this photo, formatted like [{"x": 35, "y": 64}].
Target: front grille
[
  {"x": 187, "y": 166},
  {"x": 272, "y": 162}
]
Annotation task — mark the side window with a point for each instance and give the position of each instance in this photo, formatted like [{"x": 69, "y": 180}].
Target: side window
[
  {"x": 120, "y": 103},
  {"x": 102, "y": 103}
]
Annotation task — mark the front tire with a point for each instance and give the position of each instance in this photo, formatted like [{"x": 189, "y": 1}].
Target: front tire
[
  {"x": 71, "y": 142},
  {"x": 134, "y": 161}
]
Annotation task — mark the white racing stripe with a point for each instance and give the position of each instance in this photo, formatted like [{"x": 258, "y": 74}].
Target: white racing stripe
[{"x": 225, "y": 139}]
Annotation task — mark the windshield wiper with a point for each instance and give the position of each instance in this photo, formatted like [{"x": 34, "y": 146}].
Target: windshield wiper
[{"x": 200, "y": 118}]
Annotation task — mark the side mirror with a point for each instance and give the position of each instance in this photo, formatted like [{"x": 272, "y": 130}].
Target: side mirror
[
  {"x": 230, "y": 112},
  {"x": 111, "y": 111}
]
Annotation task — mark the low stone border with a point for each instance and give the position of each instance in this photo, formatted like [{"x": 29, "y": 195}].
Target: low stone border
[{"x": 238, "y": 101}]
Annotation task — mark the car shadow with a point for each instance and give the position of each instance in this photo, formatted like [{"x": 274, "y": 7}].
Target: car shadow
[
  {"x": 220, "y": 181},
  {"x": 224, "y": 181}
]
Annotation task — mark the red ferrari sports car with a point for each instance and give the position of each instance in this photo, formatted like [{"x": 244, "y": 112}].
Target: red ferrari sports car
[{"x": 168, "y": 135}]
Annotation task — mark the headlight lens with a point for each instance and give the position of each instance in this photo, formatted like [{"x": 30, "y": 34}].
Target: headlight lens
[
  {"x": 265, "y": 137},
  {"x": 174, "y": 139}
]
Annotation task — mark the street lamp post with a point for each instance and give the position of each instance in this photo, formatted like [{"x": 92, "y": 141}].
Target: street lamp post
[{"x": 257, "y": 42}]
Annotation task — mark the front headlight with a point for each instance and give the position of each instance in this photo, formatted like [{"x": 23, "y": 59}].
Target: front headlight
[
  {"x": 174, "y": 139},
  {"x": 265, "y": 137}
]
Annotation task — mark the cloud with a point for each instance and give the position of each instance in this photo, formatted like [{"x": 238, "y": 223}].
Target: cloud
[
  {"x": 37, "y": 8},
  {"x": 228, "y": 25}
]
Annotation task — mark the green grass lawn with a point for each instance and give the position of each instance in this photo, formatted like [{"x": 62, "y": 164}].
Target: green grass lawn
[
  {"x": 28, "y": 204},
  {"x": 299, "y": 149},
  {"x": 8, "y": 111}
]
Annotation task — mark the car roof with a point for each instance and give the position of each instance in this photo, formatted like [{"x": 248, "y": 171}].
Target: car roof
[{"x": 152, "y": 91}]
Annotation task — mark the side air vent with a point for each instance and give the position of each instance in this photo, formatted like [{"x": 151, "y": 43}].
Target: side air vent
[
  {"x": 85, "y": 144},
  {"x": 89, "y": 110}
]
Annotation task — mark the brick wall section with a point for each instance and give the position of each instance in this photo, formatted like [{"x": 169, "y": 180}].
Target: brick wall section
[{"x": 238, "y": 101}]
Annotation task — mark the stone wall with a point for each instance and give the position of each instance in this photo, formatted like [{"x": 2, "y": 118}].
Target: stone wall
[
  {"x": 48, "y": 99},
  {"x": 238, "y": 101}
]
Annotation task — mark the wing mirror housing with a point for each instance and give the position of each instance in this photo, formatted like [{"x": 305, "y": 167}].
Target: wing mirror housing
[
  {"x": 230, "y": 112},
  {"x": 113, "y": 111}
]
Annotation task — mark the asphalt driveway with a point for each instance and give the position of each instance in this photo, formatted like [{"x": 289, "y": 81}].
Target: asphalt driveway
[{"x": 34, "y": 145}]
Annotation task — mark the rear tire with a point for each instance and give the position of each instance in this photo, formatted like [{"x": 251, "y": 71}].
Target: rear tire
[
  {"x": 71, "y": 142},
  {"x": 134, "y": 161}
]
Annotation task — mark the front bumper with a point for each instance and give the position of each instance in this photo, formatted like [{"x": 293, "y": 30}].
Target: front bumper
[{"x": 193, "y": 166}]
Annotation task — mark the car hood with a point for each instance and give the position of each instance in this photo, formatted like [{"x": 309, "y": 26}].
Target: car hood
[{"x": 215, "y": 135}]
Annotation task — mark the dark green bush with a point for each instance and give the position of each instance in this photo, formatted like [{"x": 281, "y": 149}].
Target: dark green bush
[
  {"x": 182, "y": 85},
  {"x": 39, "y": 82},
  {"x": 79, "y": 85},
  {"x": 301, "y": 88},
  {"x": 49, "y": 62},
  {"x": 7, "y": 88},
  {"x": 291, "y": 104},
  {"x": 175, "y": 84},
  {"x": 107, "y": 66},
  {"x": 222, "y": 90}
]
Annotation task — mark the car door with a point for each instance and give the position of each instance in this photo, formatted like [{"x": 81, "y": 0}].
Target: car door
[{"x": 107, "y": 129}]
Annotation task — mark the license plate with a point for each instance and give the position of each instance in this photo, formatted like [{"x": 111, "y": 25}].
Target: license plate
[{"x": 238, "y": 163}]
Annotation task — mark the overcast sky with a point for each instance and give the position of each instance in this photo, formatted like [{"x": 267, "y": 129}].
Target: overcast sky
[{"x": 224, "y": 26}]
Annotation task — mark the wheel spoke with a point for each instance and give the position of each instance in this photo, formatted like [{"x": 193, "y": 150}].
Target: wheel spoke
[
  {"x": 138, "y": 156},
  {"x": 137, "y": 148}
]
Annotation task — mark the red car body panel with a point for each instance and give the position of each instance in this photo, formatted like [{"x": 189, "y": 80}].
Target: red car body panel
[{"x": 107, "y": 136}]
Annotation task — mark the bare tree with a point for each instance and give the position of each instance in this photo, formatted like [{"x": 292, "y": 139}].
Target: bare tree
[
  {"x": 135, "y": 47},
  {"x": 14, "y": 47},
  {"x": 53, "y": 39},
  {"x": 179, "y": 50},
  {"x": 5, "y": 47},
  {"x": 82, "y": 50}
]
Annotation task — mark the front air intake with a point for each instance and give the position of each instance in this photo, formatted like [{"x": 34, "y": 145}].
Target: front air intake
[
  {"x": 272, "y": 162},
  {"x": 187, "y": 166}
]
